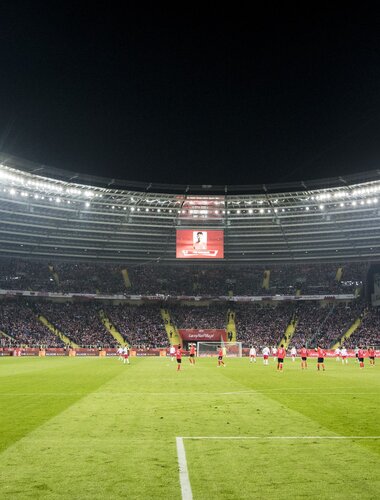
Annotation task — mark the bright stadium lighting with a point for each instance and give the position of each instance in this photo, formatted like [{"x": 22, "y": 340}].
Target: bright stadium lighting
[
  {"x": 354, "y": 203},
  {"x": 321, "y": 207},
  {"x": 307, "y": 209},
  {"x": 87, "y": 204}
]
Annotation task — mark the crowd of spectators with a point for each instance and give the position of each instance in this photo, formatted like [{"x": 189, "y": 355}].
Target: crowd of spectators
[
  {"x": 210, "y": 317},
  {"x": 181, "y": 279},
  {"x": 262, "y": 325},
  {"x": 368, "y": 333},
  {"x": 324, "y": 323},
  {"x": 80, "y": 322},
  {"x": 19, "y": 323},
  {"x": 142, "y": 326}
]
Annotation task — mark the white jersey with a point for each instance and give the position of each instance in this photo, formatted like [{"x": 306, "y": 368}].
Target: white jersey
[
  {"x": 343, "y": 352},
  {"x": 337, "y": 352},
  {"x": 274, "y": 351},
  {"x": 252, "y": 351},
  {"x": 293, "y": 351},
  {"x": 120, "y": 350},
  {"x": 172, "y": 350},
  {"x": 126, "y": 350},
  {"x": 266, "y": 351}
]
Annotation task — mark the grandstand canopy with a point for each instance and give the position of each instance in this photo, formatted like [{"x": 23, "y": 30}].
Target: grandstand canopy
[{"x": 46, "y": 212}]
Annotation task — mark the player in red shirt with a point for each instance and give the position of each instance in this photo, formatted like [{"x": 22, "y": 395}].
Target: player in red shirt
[
  {"x": 178, "y": 355},
  {"x": 361, "y": 357},
  {"x": 321, "y": 357},
  {"x": 192, "y": 354},
  {"x": 304, "y": 354},
  {"x": 281, "y": 353},
  {"x": 220, "y": 357},
  {"x": 371, "y": 355}
]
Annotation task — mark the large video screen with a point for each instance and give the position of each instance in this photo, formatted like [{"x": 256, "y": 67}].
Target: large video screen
[{"x": 200, "y": 244}]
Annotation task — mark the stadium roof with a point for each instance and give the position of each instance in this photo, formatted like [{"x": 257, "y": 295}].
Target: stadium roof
[{"x": 46, "y": 212}]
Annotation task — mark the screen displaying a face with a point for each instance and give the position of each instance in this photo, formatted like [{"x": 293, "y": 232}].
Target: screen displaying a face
[{"x": 200, "y": 244}]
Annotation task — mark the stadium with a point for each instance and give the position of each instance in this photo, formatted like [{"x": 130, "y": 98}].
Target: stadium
[{"x": 107, "y": 285}]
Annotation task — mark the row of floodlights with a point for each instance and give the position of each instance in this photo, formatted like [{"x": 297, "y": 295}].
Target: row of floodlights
[
  {"x": 47, "y": 186},
  {"x": 197, "y": 213}
]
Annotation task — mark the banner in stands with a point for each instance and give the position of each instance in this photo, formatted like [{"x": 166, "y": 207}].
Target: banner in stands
[
  {"x": 200, "y": 244},
  {"x": 196, "y": 335}
]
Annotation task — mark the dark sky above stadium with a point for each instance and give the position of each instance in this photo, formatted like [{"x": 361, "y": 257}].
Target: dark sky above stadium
[{"x": 217, "y": 96}]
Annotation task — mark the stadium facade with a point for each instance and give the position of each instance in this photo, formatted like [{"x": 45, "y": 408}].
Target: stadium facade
[{"x": 46, "y": 212}]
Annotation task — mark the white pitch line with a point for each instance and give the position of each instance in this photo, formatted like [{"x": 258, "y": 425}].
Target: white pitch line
[
  {"x": 279, "y": 437},
  {"x": 183, "y": 471}
]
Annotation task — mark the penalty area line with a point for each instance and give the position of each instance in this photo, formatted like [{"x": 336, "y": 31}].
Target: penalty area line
[{"x": 184, "y": 478}]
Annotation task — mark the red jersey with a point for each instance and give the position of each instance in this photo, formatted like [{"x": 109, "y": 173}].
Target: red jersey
[
  {"x": 321, "y": 352},
  {"x": 371, "y": 353},
  {"x": 281, "y": 353},
  {"x": 360, "y": 353},
  {"x": 178, "y": 353},
  {"x": 220, "y": 353},
  {"x": 304, "y": 353},
  {"x": 192, "y": 350}
]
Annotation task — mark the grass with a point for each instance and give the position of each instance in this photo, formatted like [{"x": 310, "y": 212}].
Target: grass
[{"x": 95, "y": 428}]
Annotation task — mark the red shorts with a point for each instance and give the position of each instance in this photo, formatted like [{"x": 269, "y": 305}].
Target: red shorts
[
  {"x": 265, "y": 356},
  {"x": 126, "y": 356}
]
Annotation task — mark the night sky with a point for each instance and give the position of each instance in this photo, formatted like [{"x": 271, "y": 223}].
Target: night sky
[{"x": 195, "y": 96}]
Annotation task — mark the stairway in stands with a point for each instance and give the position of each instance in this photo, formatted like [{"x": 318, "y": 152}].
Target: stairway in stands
[
  {"x": 355, "y": 325},
  {"x": 44, "y": 321},
  {"x": 126, "y": 279},
  {"x": 111, "y": 328},
  {"x": 170, "y": 328},
  {"x": 54, "y": 274},
  {"x": 289, "y": 332},
  {"x": 3, "y": 334},
  {"x": 231, "y": 326}
]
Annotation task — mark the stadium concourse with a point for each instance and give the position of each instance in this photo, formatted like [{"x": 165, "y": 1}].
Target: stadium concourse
[{"x": 95, "y": 262}]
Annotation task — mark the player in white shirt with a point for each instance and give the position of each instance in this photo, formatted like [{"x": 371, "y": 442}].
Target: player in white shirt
[
  {"x": 126, "y": 354},
  {"x": 266, "y": 353},
  {"x": 172, "y": 352},
  {"x": 119, "y": 352},
  {"x": 337, "y": 353},
  {"x": 252, "y": 354},
  {"x": 293, "y": 353},
  {"x": 343, "y": 355},
  {"x": 274, "y": 351}
]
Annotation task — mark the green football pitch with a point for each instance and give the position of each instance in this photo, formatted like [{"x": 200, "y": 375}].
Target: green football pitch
[{"x": 95, "y": 428}]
